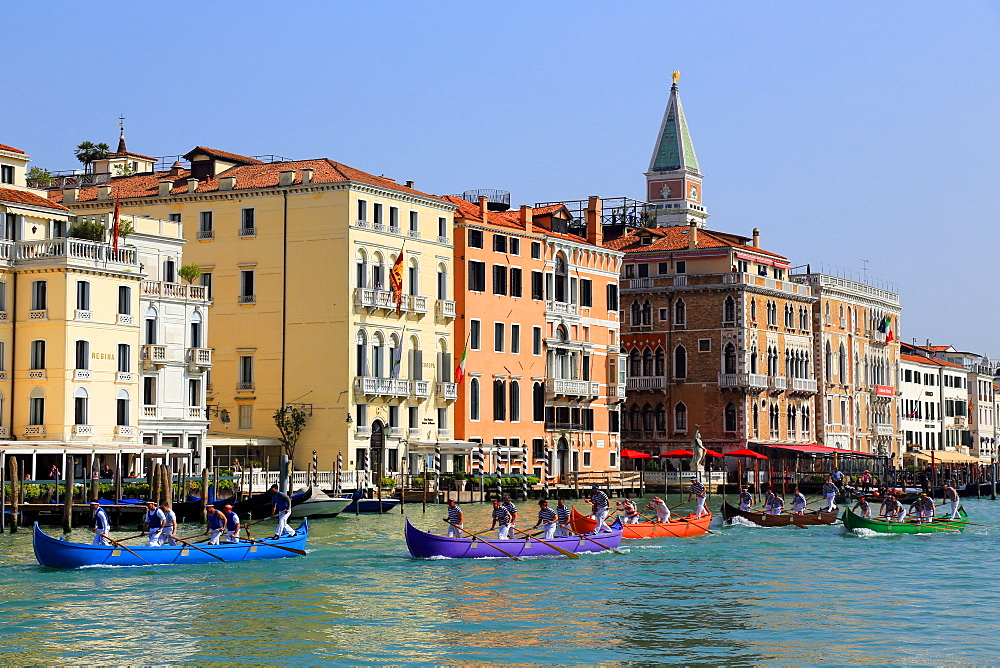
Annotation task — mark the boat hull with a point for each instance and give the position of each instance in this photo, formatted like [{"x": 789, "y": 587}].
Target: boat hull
[
  {"x": 320, "y": 505},
  {"x": 939, "y": 525},
  {"x": 369, "y": 505},
  {"x": 815, "y": 518},
  {"x": 56, "y": 553},
  {"x": 424, "y": 545},
  {"x": 676, "y": 528}
]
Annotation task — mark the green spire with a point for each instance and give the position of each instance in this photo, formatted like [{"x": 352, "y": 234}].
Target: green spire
[{"x": 674, "y": 150}]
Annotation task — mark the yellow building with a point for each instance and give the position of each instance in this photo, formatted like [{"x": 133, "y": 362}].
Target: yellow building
[{"x": 296, "y": 257}]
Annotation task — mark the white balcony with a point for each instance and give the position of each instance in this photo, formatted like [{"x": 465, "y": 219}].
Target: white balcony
[
  {"x": 381, "y": 387},
  {"x": 3, "y": 316},
  {"x": 37, "y": 374},
  {"x": 83, "y": 430},
  {"x": 195, "y": 413},
  {"x": 124, "y": 431},
  {"x": 42, "y": 314},
  {"x": 560, "y": 308},
  {"x": 420, "y": 389},
  {"x": 572, "y": 388},
  {"x": 444, "y": 434},
  {"x": 34, "y": 430},
  {"x": 363, "y": 431},
  {"x": 383, "y": 299},
  {"x": 244, "y": 386},
  {"x": 4, "y": 432},
  {"x": 616, "y": 391},
  {"x": 3, "y": 376},
  {"x": 413, "y": 432},
  {"x": 442, "y": 240},
  {"x": 803, "y": 386},
  {"x": 395, "y": 432},
  {"x": 418, "y": 304},
  {"x": 646, "y": 383},
  {"x": 749, "y": 381},
  {"x": 173, "y": 290},
  {"x": 882, "y": 429},
  {"x": 79, "y": 252},
  {"x": 447, "y": 391},
  {"x": 150, "y": 411},
  {"x": 154, "y": 354},
  {"x": 199, "y": 357},
  {"x": 248, "y": 232},
  {"x": 124, "y": 377},
  {"x": 83, "y": 315},
  {"x": 777, "y": 383},
  {"x": 444, "y": 308},
  {"x": 81, "y": 374},
  {"x": 125, "y": 319},
  {"x": 248, "y": 299}
]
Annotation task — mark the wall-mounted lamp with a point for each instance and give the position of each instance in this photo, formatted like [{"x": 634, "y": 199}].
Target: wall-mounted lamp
[
  {"x": 305, "y": 408},
  {"x": 349, "y": 419}
]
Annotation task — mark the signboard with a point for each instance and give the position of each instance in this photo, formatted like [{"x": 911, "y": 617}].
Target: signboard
[{"x": 884, "y": 391}]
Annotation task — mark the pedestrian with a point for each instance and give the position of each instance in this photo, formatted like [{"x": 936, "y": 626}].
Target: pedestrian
[
  {"x": 864, "y": 507},
  {"x": 455, "y": 519},
  {"x": 232, "y": 525},
  {"x": 501, "y": 521},
  {"x": 599, "y": 502},
  {"x": 697, "y": 492},
  {"x": 54, "y": 472},
  {"x": 838, "y": 477},
  {"x": 798, "y": 503},
  {"x": 562, "y": 512},
  {"x": 281, "y": 505},
  {"x": 829, "y": 492},
  {"x": 546, "y": 518},
  {"x": 659, "y": 506},
  {"x": 102, "y": 525},
  {"x": 169, "y": 532},
  {"x": 951, "y": 496},
  {"x": 866, "y": 481},
  {"x": 155, "y": 519},
  {"x": 746, "y": 500},
  {"x": 216, "y": 525}
]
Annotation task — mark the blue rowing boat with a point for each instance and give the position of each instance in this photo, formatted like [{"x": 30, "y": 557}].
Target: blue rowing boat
[{"x": 60, "y": 553}]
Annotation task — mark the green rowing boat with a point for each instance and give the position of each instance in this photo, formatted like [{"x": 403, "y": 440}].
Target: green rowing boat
[{"x": 939, "y": 525}]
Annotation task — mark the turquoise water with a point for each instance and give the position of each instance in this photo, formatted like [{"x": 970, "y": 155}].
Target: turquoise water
[{"x": 747, "y": 596}]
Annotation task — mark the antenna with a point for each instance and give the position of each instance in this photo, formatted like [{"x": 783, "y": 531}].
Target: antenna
[{"x": 864, "y": 269}]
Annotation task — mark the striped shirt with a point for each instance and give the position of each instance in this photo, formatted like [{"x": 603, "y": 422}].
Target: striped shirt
[
  {"x": 599, "y": 499},
  {"x": 746, "y": 498},
  {"x": 546, "y": 515},
  {"x": 454, "y": 515},
  {"x": 563, "y": 513},
  {"x": 501, "y": 515},
  {"x": 509, "y": 507},
  {"x": 697, "y": 488}
]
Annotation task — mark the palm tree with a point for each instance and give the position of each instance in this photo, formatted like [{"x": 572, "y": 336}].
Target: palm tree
[{"x": 87, "y": 152}]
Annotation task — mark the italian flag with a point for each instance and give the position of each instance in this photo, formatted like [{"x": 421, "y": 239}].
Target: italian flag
[
  {"x": 460, "y": 369},
  {"x": 887, "y": 324}
]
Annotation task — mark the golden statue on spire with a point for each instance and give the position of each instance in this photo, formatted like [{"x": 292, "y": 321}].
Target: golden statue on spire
[{"x": 677, "y": 76}]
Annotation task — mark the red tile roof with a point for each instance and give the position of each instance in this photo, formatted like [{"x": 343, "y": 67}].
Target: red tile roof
[
  {"x": 225, "y": 155},
  {"x": 932, "y": 361},
  {"x": 4, "y": 147},
  {"x": 676, "y": 238},
  {"x": 511, "y": 219},
  {"x": 131, "y": 155},
  {"x": 25, "y": 197}
]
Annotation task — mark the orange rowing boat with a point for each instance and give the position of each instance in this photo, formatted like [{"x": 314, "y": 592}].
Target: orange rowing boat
[{"x": 682, "y": 527}]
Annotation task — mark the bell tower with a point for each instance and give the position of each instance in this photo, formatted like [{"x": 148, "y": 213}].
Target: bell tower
[{"x": 673, "y": 181}]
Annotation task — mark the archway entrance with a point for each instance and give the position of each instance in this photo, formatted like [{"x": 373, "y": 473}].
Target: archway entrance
[
  {"x": 562, "y": 457},
  {"x": 376, "y": 446}
]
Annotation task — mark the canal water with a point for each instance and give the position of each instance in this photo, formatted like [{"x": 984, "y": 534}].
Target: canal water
[{"x": 745, "y": 596}]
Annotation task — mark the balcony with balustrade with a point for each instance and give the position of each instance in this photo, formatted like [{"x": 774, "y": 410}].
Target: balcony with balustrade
[
  {"x": 447, "y": 391},
  {"x": 560, "y": 308},
  {"x": 178, "y": 291},
  {"x": 373, "y": 386},
  {"x": 753, "y": 382},
  {"x": 370, "y": 298},
  {"x": 79, "y": 253},
  {"x": 642, "y": 383},
  {"x": 420, "y": 389},
  {"x": 444, "y": 308},
  {"x": 572, "y": 388},
  {"x": 777, "y": 384},
  {"x": 153, "y": 354},
  {"x": 803, "y": 385},
  {"x": 124, "y": 431},
  {"x": 616, "y": 392},
  {"x": 199, "y": 358}
]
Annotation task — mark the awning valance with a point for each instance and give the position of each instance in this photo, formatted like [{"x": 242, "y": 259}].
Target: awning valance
[
  {"x": 814, "y": 449},
  {"x": 943, "y": 457}
]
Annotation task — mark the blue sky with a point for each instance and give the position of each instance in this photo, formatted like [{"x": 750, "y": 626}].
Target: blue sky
[{"x": 843, "y": 130}]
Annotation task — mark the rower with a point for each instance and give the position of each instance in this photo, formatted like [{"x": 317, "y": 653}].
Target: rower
[
  {"x": 455, "y": 519},
  {"x": 838, "y": 477},
  {"x": 775, "y": 505},
  {"x": 232, "y": 525},
  {"x": 599, "y": 501},
  {"x": 501, "y": 520},
  {"x": 698, "y": 492},
  {"x": 155, "y": 519},
  {"x": 659, "y": 506},
  {"x": 216, "y": 525},
  {"x": 169, "y": 525},
  {"x": 562, "y": 512},
  {"x": 829, "y": 492},
  {"x": 102, "y": 525},
  {"x": 798, "y": 503},
  {"x": 924, "y": 506},
  {"x": 951, "y": 495},
  {"x": 768, "y": 495},
  {"x": 546, "y": 517},
  {"x": 282, "y": 507},
  {"x": 627, "y": 507},
  {"x": 863, "y": 506},
  {"x": 746, "y": 500},
  {"x": 512, "y": 509},
  {"x": 892, "y": 509}
]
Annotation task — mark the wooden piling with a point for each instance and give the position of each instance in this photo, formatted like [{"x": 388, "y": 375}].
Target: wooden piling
[
  {"x": 67, "y": 518},
  {"x": 13, "y": 494},
  {"x": 166, "y": 485},
  {"x": 95, "y": 482},
  {"x": 204, "y": 495}
]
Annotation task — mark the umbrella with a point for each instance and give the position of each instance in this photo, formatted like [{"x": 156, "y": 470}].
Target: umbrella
[
  {"x": 744, "y": 452},
  {"x": 632, "y": 454},
  {"x": 688, "y": 453}
]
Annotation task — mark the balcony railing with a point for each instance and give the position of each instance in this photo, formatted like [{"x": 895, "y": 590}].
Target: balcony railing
[
  {"x": 4, "y": 432},
  {"x": 420, "y": 389},
  {"x": 444, "y": 434},
  {"x": 78, "y": 250},
  {"x": 882, "y": 429},
  {"x": 61, "y": 182},
  {"x": 34, "y": 430},
  {"x": 125, "y": 319},
  {"x": 83, "y": 430},
  {"x": 447, "y": 391},
  {"x": 149, "y": 411},
  {"x": 750, "y": 381},
  {"x": 81, "y": 374},
  {"x": 195, "y": 412},
  {"x": 418, "y": 304},
  {"x": 363, "y": 431},
  {"x": 395, "y": 432},
  {"x": 124, "y": 377},
  {"x": 381, "y": 387},
  {"x": 616, "y": 391},
  {"x": 383, "y": 299},
  {"x": 572, "y": 388},
  {"x": 777, "y": 383},
  {"x": 199, "y": 357},
  {"x": 41, "y": 314},
  {"x": 560, "y": 308},
  {"x": 83, "y": 315},
  {"x": 154, "y": 353},
  {"x": 803, "y": 386},
  {"x": 248, "y": 231},
  {"x": 646, "y": 383},
  {"x": 124, "y": 431},
  {"x": 244, "y": 386},
  {"x": 206, "y": 234},
  {"x": 444, "y": 308},
  {"x": 248, "y": 299},
  {"x": 176, "y": 290},
  {"x": 36, "y": 374},
  {"x": 413, "y": 432}
]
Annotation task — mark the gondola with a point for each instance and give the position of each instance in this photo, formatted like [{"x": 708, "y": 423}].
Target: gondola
[
  {"x": 367, "y": 505},
  {"x": 56, "y": 553},
  {"x": 424, "y": 545},
  {"x": 813, "y": 518},
  {"x": 939, "y": 525},
  {"x": 260, "y": 505},
  {"x": 680, "y": 527}
]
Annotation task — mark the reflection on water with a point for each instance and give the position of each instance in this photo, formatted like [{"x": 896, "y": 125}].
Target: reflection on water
[{"x": 747, "y": 596}]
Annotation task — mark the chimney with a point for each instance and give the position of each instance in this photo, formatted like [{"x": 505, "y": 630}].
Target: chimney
[
  {"x": 176, "y": 168},
  {"x": 483, "y": 207},
  {"x": 286, "y": 177},
  {"x": 409, "y": 184},
  {"x": 692, "y": 235},
  {"x": 104, "y": 191},
  {"x": 227, "y": 182},
  {"x": 165, "y": 187},
  {"x": 192, "y": 185},
  {"x": 307, "y": 174},
  {"x": 595, "y": 234},
  {"x": 526, "y": 217},
  {"x": 756, "y": 237},
  {"x": 69, "y": 194}
]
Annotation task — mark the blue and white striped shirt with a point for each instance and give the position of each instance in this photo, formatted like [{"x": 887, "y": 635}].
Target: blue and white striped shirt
[
  {"x": 546, "y": 515},
  {"x": 697, "y": 488},
  {"x": 509, "y": 507},
  {"x": 501, "y": 515},
  {"x": 599, "y": 499},
  {"x": 454, "y": 515},
  {"x": 563, "y": 513}
]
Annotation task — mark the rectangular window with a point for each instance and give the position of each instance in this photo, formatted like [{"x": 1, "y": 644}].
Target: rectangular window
[
  {"x": 442, "y": 418},
  {"x": 515, "y": 246},
  {"x": 536, "y": 340},
  {"x": 362, "y": 210},
  {"x": 499, "y": 243},
  {"x": 612, "y": 297},
  {"x": 6, "y": 174},
  {"x": 174, "y": 217},
  {"x": 586, "y": 292},
  {"x": 475, "y": 238},
  {"x": 515, "y": 282},
  {"x": 124, "y": 358},
  {"x": 3, "y": 296},
  {"x": 536, "y": 250},
  {"x": 37, "y": 411},
  {"x": 475, "y": 334},
  {"x": 537, "y": 285},
  {"x": 498, "y": 331},
  {"x": 586, "y": 459},
  {"x": 206, "y": 282},
  {"x": 394, "y": 218},
  {"x": 247, "y": 287},
  {"x": 194, "y": 392},
  {"x": 663, "y": 268},
  {"x": 206, "y": 229},
  {"x": 3, "y": 356},
  {"x": 643, "y": 270},
  {"x": 393, "y": 416},
  {"x": 247, "y": 225},
  {"x": 477, "y": 276},
  {"x": 613, "y": 422},
  {"x": 38, "y": 354},
  {"x": 681, "y": 267},
  {"x": 82, "y": 295},
  {"x": 246, "y": 373},
  {"x": 376, "y": 214},
  {"x": 246, "y": 416},
  {"x": 515, "y": 339},
  {"x": 538, "y": 448},
  {"x": 414, "y": 223},
  {"x": 149, "y": 391},
  {"x": 499, "y": 279},
  {"x": 704, "y": 345},
  {"x": 413, "y": 417},
  {"x": 82, "y": 355},
  {"x": 442, "y": 228},
  {"x": 38, "y": 296},
  {"x": 664, "y": 314},
  {"x": 124, "y": 300}
]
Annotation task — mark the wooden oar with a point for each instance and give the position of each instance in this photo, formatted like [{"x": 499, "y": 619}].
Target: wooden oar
[
  {"x": 214, "y": 556},
  {"x": 951, "y": 521},
  {"x": 280, "y": 547},
  {"x": 138, "y": 535},
  {"x": 472, "y": 535},
  {"x": 571, "y": 555},
  {"x": 117, "y": 544}
]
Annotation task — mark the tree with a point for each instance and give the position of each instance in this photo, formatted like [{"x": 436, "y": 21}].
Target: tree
[
  {"x": 124, "y": 169},
  {"x": 39, "y": 177},
  {"x": 290, "y": 422},
  {"x": 189, "y": 272},
  {"x": 87, "y": 229},
  {"x": 88, "y": 152}
]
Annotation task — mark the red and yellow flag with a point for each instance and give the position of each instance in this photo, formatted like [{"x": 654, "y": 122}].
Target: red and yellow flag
[
  {"x": 396, "y": 282},
  {"x": 115, "y": 226}
]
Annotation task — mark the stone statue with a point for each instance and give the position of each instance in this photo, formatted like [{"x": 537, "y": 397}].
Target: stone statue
[
  {"x": 665, "y": 192},
  {"x": 698, "y": 452}
]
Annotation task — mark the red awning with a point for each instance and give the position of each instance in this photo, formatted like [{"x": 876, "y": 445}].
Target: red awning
[
  {"x": 815, "y": 449},
  {"x": 680, "y": 454},
  {"x": 632, "y": 454},
  {"x": 743, "y": 452}
]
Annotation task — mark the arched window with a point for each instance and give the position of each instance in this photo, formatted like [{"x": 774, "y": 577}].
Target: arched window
[
  {"x": 515, "y": 401},
  {"x": 561, "y": 278},
  {"x": 150, "y": 325},
  {"x": 680, "y": 362},
  {"x": 361, "y": 273},
  {"x": 753, "y": 310},
  {"x": 378, "y": 356},
  {"x": 122, "y": 407},
  {"x": 647, "y": 418},
  {"x": 647, "y": 362},
  {"x": 842, "y": 359},
  {"x": 660, "y": 363},
  {"x": 828, "y": 360},
  {"x": 537, "y": 402},
  {"x": 680, "y": 312},
  {"x": 442, "y": 282},
  {"x": 635, "y": 363},
  {"x": 729, "y": 310},
  {"x": 753, "y": 359},
  {"x": 474, "y": 399},
  {"x": 729, "y": 417},
  {"x": 661, "y": 418},
  {"x": 413, "y": 277},
  {"x": 196, "y": 334},
  {"x": 80, "y": 398},
  {"x": 636, "y": 314},
  {"x": 395, "y": 357},
  {"x": 647, "y": 313},
  {"x": 377, "y": 272},
  {"x": 729, "y": 359},
  {"x": 635, "y": 419},
  {"x": 680, "y": 417},
  {"x": 756, "y": 421},
  {"x": 499, "y": 400},
  {"x": 361, "y": 352},
  {"x": 36, "y": 406}
]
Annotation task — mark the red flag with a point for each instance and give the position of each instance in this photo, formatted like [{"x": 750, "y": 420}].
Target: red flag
[
  {"x": 114, "y": 228},
  {"x": 396, "y": 282}
]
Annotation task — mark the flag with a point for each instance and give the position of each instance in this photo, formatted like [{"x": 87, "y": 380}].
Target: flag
[
  {"x": 887, "y": 328},
  {"x": 114, "y": 227},
  {"x": 396, "y": 282},
  {"x": 397, "y": 354},
  {"x": 460, "y": 369},
  {"x": 914, "y": 413}
]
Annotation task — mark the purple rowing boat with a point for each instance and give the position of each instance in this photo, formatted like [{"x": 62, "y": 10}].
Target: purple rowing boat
[{"x": 424, "y": 545}]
